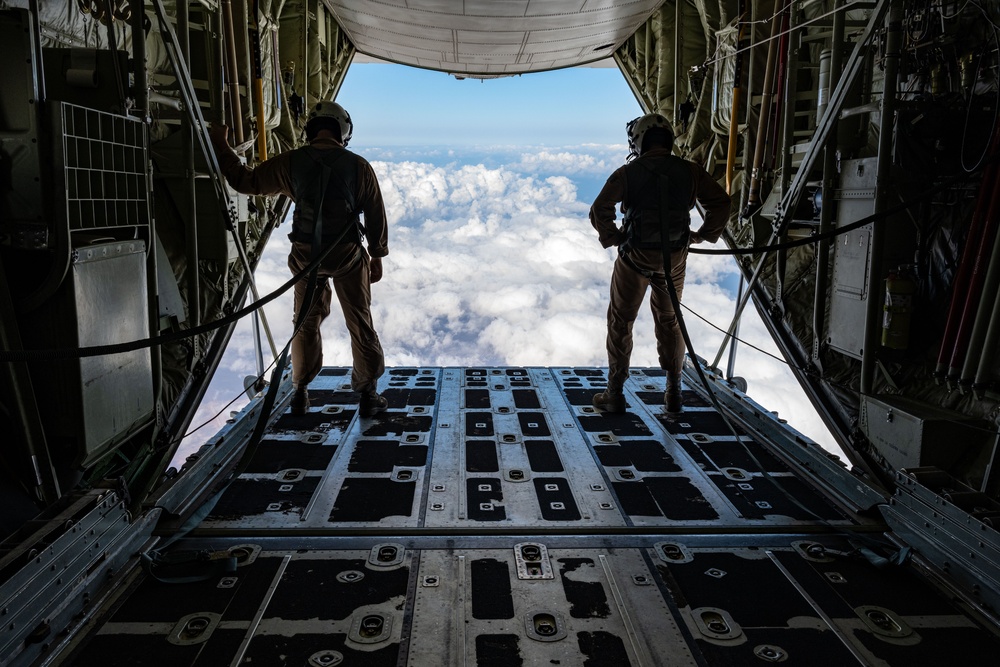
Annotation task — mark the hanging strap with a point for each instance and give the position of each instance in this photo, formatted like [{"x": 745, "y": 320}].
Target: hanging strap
[
  {"x": 667, "y": 271},
  {"x": 189, "y": 566}
]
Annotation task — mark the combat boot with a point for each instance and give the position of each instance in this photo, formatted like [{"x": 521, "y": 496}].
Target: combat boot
[
  {"x": 672, "y": 399},
  {"x": 610, "y": 400},
  {"x": 372, "y": 404},
  {"x": 300, "y": 401}
]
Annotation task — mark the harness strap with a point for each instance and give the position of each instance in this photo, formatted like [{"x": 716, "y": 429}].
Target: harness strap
[{"x": 318, "y": 159}]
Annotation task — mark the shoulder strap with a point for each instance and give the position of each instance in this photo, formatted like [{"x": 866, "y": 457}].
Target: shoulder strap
[
  {"x": 322, "y": 159},
  {"x": 317, "y": 239}
]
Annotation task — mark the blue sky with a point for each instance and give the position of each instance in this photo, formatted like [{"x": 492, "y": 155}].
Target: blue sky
[
  {"x": 396, "y": 105},
  {"x": 492, "y": 259}
]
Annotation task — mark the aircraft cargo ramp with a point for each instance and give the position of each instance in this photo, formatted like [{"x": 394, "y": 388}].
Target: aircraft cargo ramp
[{"x": 492, "y": 517}]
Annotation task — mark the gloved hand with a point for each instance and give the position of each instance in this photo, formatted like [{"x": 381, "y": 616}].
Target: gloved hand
[
  {"x": 219, "y": 134},
  {"x": 375, "y": 270}
]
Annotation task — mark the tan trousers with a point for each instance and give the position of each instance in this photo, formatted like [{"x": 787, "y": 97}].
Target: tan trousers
[
  {"x": 347, "y": 266},
  {"x": 628, "y": 288}
]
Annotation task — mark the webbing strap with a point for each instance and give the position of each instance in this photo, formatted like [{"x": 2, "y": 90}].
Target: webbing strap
[
  {"x": 189, "y": 566},
  {"x": 667, "y": 270},
  {"x": 193, "y": 566}
]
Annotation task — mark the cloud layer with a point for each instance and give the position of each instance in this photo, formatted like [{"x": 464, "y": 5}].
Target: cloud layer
[{"x": 495, "y": 263}]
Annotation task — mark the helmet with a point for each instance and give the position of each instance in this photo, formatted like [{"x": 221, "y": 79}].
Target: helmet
[
  {"x": 637, "y": 129},
  {"x": 334, "y": 111}
]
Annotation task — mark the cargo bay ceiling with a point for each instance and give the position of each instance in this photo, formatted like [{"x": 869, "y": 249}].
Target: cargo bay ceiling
[{"x": 490, "y": 37}]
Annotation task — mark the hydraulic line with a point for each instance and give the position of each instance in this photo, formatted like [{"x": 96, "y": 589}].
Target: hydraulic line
[
  {"x": 977, "y": 277},
  {"x": 734, "y": 121},
  {"x": 782, "y": 83},
  {"x": 765, "y": 115},
  {"x": 987, "y": 357},
  {"x": 984, "y": 311},
  {"x": 232, "y": 73},
  {"x": 961, "y": 283},
  {"x": 11, "y": 356},
  {"x": 258, "y": 80},
  {"x": 140, "y": 87}
]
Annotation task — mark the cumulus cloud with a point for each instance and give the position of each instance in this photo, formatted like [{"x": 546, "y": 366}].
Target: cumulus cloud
[
  {"x": 497, "y": 264},
  {"x": 598, "y": 163}
]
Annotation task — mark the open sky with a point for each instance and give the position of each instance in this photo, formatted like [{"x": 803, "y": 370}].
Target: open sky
[
  {"x": 392, "y": 105},
  {"x": 492, "y": 259}
]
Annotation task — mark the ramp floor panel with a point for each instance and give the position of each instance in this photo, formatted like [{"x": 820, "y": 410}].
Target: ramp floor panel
[
  {"x": 493, "y": 517},
  {"x": 415, "y": 601},
  {"x": 503, "y": 448}
]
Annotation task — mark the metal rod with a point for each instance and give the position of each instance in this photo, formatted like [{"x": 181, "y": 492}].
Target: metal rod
[
  {"x": 166, "y": 100},
  {"x": 245, "y": 261},
  {"x": 781, "y": 256},
  {"x": 257, "y": 347},
  {"x": 305, "y": 52},
  {"x": 139, "y": 56},
  {"x": 647, "y": 36},
  {"x": 741, "y": 304},
  {"x": 232, "y": 73},
  {"x": 839, "y": 633},
  {"x": 791, "y": 87},
  {"x": 764, "y": 116},
  {"x": 871, "y": 107},
  {"x": 873, "y": 320},
  {"x": 192, "y": 269},
  {"x": 731, "y": 366},
  {"x": 991, "y": 480},
  {"x": 258, "y": 80},
  {"x": 330, "y": 44},
  {"x": 829, "y": 185},
  {"x": 984, "y": 315},
  {"x": 987, "y": 357},
  {"x": 678, "y": 50},
  {"x": 734, "y": 121},
  {"x": 748, "y": 121},
  {"x": 113, "y": 50},
  {"x": 639, "y": 648},
  {"x": 217, "y": 72},
  {"x": 973, "y": 293},
  {"x": 960, "y": 283},
  {"x": 255, "y": 623},
  {"x": 784, "y": 59}
]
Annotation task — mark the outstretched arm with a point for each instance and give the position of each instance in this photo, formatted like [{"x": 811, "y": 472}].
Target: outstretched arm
[{"x": 271, "y": 177}]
